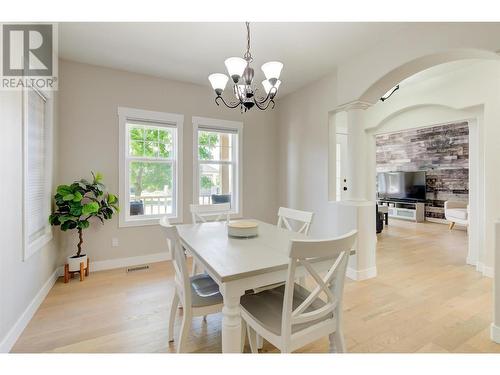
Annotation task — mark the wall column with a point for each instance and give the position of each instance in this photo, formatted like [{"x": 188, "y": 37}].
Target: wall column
[
  {"x": 362, "y": 265},
  {"x": 356, "y": 153}
]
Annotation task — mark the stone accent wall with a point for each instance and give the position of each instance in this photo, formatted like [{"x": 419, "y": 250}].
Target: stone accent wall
[{"x": 441, "y": 151}]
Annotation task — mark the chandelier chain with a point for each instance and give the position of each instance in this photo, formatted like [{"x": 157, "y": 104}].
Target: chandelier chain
[{"x": 248, "y": 55}]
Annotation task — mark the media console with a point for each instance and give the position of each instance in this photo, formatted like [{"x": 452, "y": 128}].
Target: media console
[{"x": 414, "y": 211}]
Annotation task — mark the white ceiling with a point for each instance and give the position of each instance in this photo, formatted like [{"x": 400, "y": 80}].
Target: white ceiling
[{"x": 189, "y": 52}]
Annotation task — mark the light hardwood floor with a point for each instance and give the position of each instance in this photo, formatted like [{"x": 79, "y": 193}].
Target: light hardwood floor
[{"x": 424, "y": 299}]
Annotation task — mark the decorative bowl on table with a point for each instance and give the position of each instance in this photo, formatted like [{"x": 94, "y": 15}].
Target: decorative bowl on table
[{"x": 242, "y": 229}]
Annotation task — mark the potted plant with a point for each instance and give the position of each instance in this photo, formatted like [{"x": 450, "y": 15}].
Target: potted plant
[{"x": 76, "y": 205}]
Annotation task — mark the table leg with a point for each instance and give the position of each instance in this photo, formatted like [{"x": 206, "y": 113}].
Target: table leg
[
  {"x": 231, "y": 320},
  {"x": 386, "y": 218}
]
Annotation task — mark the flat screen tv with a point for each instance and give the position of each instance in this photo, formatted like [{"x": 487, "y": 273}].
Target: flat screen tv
[{"x": 404, "y": 186}]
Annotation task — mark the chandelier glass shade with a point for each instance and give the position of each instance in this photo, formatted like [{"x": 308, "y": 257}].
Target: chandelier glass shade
[{"x": 242, "y": 76}]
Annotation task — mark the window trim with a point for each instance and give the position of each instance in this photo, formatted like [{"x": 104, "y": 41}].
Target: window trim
[
  {"x": 171, "y": 120},
  {"x": 29, "y": 249},
  {"x": 221, "y": 125}
]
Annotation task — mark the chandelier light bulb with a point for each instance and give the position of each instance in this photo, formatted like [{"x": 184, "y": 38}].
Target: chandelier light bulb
[
  {"x": 235, "y": 67},
  {"x": 272, "y": 70},
  {"x": 218, "y": 82},
  {"x": 268, "y": 85}
]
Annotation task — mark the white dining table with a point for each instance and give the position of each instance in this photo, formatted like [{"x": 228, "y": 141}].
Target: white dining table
[{"x": 238, "y": 265}]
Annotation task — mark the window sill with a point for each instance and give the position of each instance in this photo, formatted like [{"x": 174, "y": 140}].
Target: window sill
[{"x": 127, "y": 223}]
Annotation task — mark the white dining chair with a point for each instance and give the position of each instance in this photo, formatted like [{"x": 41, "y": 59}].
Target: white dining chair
[
  {"x": 286, "y": 214},
  {"x": 304, "y": 220},
  {"x": 201, "y": 213},
  {"x": 198, "y": 295},
  {"x": 291, "y": 316}
]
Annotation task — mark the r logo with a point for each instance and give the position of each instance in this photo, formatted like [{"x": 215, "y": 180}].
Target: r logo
[{"x": 27, "y": 50}]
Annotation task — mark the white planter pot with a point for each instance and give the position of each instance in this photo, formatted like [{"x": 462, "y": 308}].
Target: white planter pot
[{"x": 74, "y": 262}]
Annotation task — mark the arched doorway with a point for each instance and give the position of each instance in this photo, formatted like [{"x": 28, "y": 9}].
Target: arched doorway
[
  {"x": 377, "y": 89},
  {"x": 420, "y": 117},
  {"x": 485, "y": 218}
]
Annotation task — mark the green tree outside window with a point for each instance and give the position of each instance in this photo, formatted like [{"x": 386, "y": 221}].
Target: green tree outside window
[{"x": 151, "y": 143}]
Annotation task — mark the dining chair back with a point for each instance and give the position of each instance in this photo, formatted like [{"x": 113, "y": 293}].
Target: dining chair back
[
  {"x": 182, "y": 283},
  {"x": 306, "y": 315},
  {"x": 202, "y": 212},
  {"x": 198, "y": 295},
  {"x": 303, "y": 217}
]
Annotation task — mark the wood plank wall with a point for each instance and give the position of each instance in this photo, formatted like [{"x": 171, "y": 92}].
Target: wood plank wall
[{"x": 441, "y": 151}]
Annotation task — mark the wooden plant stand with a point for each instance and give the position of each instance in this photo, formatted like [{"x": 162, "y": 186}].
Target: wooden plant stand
[{"x": 84, "y": 271}]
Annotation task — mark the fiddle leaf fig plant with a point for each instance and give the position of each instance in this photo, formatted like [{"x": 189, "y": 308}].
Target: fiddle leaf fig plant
[{"x": 79, "y": 202}]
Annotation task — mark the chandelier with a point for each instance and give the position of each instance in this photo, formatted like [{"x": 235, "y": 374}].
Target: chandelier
[{"x": 242, "y": 75}]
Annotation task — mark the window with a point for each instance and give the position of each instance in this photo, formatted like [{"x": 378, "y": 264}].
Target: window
[
  {"x": 150, "y": 167},
  {"x": 37, "y": 170},
  {"x": 217, "y": 154}
]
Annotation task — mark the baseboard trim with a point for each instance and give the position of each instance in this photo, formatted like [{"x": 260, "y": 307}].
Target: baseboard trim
[
  {"x": 485, "y": 270},
  {"x": 110, "y": 264},
  {"x": 10, "y": 339},
  {"x": 495, "y": 333},
  {"x": 471, "y": 262},
  {"x": 368, "y": 273}
]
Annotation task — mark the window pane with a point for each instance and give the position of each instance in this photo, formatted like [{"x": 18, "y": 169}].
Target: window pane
[
  {"x": 150, "y": 142},
  {"x": 151, "y": 134},
  {"x": 151, "y": 185},
  {"x": 215, "y": 183},
  {"x": 165, "y": 150},
  {"x": 137, "y": 133},
  {"x": 136, "y": 148},
  {"x": 215, "y": 146},
  {"x": 151, "y": 149},
  {"x": 165, "y": 136}
]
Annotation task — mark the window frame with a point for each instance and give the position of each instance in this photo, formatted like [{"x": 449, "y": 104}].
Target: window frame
[
  {"x": 161, "y": 120},
  {"x": 31, "y": 248},
  {"x": 216, "y": 125}
]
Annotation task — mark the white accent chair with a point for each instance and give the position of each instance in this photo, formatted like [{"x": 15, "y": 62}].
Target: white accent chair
[
  {"x": 456, "y": 213},
  {"x": 305, "y": 218},
  {"x": 201, "y": 213},
  {"x": 291, "y": 316},
  {"x": 198, "y": 295}
]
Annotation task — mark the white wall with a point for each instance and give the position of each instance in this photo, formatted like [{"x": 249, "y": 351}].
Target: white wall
[
  {"x": 21, "y": 282},
  {"x": 89, "y": 98},
  {"x": 303, "y": 120}
]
